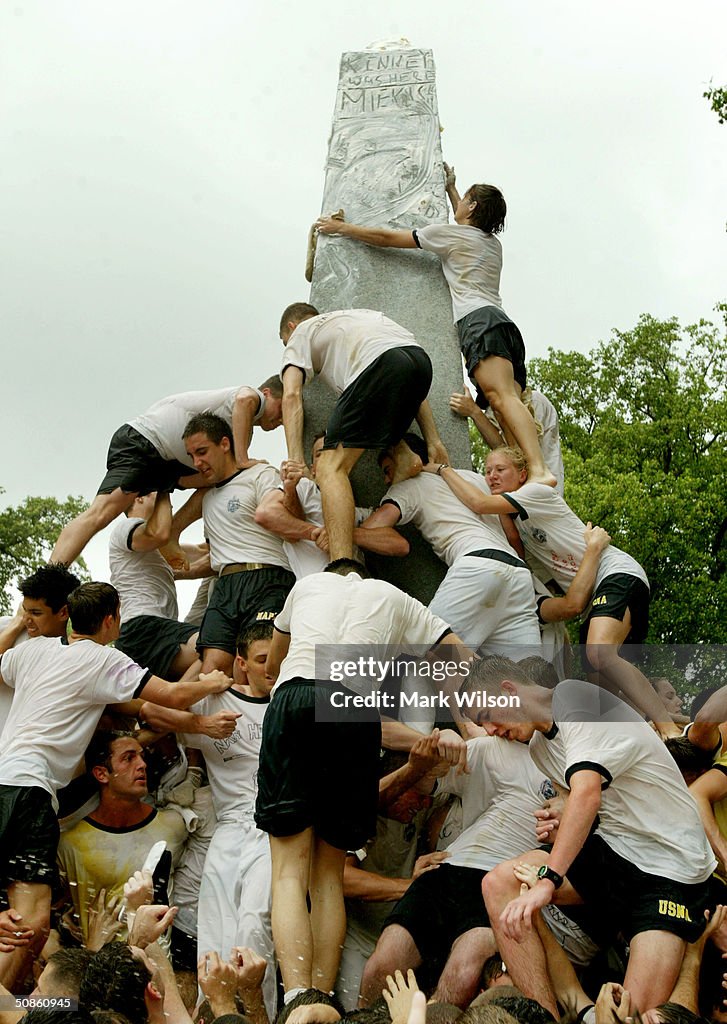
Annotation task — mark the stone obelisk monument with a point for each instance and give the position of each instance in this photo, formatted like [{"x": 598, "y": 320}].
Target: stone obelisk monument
[{"x": 384, "y": 168}]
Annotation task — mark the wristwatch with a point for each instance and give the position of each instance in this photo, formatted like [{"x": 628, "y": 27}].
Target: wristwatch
[
  {"x": 444, "y": 465},
  {"x": 546, "y": 872}
]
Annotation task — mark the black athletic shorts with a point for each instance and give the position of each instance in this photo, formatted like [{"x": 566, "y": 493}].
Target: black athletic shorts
[
  {"x": 439, "y": 907},
  {"x": 28, "y": 835},
  {"x": 240, "y": 599},
  {"x": 632, "y": 901},
  {"x": 153, "y": 642},
  {"x": 490, "y": 332},
  {"x": 134, "y": 465},
  {"x": 613, "y": 595},
  {"x": 377, "y": 408},
  {"x": 323, "y": 775}
]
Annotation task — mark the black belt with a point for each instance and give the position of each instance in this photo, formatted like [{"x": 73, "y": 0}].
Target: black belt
[{"x": 498, "y": 556}]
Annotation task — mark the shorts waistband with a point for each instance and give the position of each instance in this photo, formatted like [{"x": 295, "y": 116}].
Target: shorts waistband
[
  {"x": 233, "y": 567},
  {"x": 498, "y": 556}
]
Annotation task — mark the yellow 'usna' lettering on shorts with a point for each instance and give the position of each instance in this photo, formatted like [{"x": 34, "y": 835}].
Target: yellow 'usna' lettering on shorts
[
  {"x": 600, "y": 600},
  {"x": 678, "y": 910},
  {"x": 264, "y": 616}
]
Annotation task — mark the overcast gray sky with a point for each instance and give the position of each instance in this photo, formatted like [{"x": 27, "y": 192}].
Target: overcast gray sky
[{"x": 163, "y": 161}]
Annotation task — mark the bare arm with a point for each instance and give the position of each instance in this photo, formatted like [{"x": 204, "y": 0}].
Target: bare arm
[
  {"x": 156, "y": 531},
  {"x": 704, "y": 731},
  {"x": 244, "y": 410},
  {"x": 708, "y": 790},
  {"x": 189, "y": 513},
  {"x": 384, "y": 238},
  {"x": 465, "y": 405},
  {"x": 365, "y": 885},
  {"x": 435, "y": 446},
  {"x": 274, "y": 514},
  {"x": 12, "y": 631},
  {"x": 574, "y": 601},
  {"x": 175, "y": 1011},
  {"x": 450, "y": 186},
  {"x": 469, "y": 494},
  {"x": 383, "y": 540},
  {"x": 293, "y": 381},
  {"x": 276, "y": 655},
  {"x": 163, "y": 720},
  {"x": 186, "y": 692}
]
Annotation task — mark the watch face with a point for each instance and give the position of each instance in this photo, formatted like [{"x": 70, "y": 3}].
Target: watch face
[{"x": 541, "y": 870}]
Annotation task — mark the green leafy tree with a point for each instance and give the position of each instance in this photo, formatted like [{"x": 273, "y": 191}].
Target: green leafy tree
[
  {"x": 27, "y": 534},
  {"x": 718, "y": 101},
  {"x": 643, "y": 421}
]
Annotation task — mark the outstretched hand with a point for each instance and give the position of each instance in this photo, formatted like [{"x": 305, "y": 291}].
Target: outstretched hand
[{"x": 399, "y": 994}]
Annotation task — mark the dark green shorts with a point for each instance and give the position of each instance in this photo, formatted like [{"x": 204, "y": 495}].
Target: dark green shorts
[
  {"x": 240, "y": 599},
  {"x": 153, "y": 642},
  {"x": 319, "y": 775}
]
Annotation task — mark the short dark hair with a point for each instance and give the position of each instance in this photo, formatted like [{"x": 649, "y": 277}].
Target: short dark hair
[
  {"x": 51, "y": 583},
  {"x": 297, "y": 312},
  {"x": 343, "y": 566},
  {"x": 443, "y": 1013},
  {"x": 89, "y": 604},
  {"x": 68, "y": 966},
  {"x": 540, "y": 671},
  {"x": 689, "y": 759},
  {"x": 98, "y": 751},
  {"x": 116, "y": 980},
  {"x": 675, "y": 1013},
  {"x": 250, "y": 633},
  {"x": 488, "y": 673},
  {"x": 308, "y": 997},
  {"x": 274, "y": 384},
  {"x": 108, "y": 1017},
  {"x": 209, "y": 423},
  {"x": 489, "y": 214},
  {"x": 523, "y": 1009}
]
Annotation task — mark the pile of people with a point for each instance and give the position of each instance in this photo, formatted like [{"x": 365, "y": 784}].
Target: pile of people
[{"x": 205, "y": 819}]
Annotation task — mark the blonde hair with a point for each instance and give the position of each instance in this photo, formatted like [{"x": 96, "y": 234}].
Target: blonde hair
[{"x": 515, "y": 455}]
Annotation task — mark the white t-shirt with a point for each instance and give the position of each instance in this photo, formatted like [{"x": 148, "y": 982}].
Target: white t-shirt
[
  {"x": 232, "y": 763},
  {"x": 165, "y": 422},
  {"x": 553, "y": 538},
  {"x": 339, "y": 346},
  {"x": 144, "y": 579},
  {"x": 305, "y": 556},
  {"x": 60, "y": 693},
  {"x": 228, "y": 510},
  {"x": 327, "y": 609},
  {"x": 6, "y": 693},
  {"x": 499, "y": 799},
  {"x": 450, "y": 527},
  {"x": 471, "y": 262},
  {"x": 647, "y": 814}
]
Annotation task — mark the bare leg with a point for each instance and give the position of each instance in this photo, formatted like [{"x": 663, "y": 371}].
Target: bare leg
[
  {"x": 103, "y": 510},
  {"x": 32, "y": 900},
  {"x": 605, "y": 637},
  {"x": 193, "y": 671},
  {"x": 495, "y": 379},
  {"x": 406, "y": 462},
  {"x": 653, "y": 968},
  {"x": 213, "y": 657},
  {"x": 526, "y": 961},
  {"x": 292, "y": 936},
  {"x": 332, "y": 471},
  {"x": 327, "y": 913},
  {"x": 395, "y": 951},
  {"x": 459, "y": 982},
  {"x": 185, "y": 658}
]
